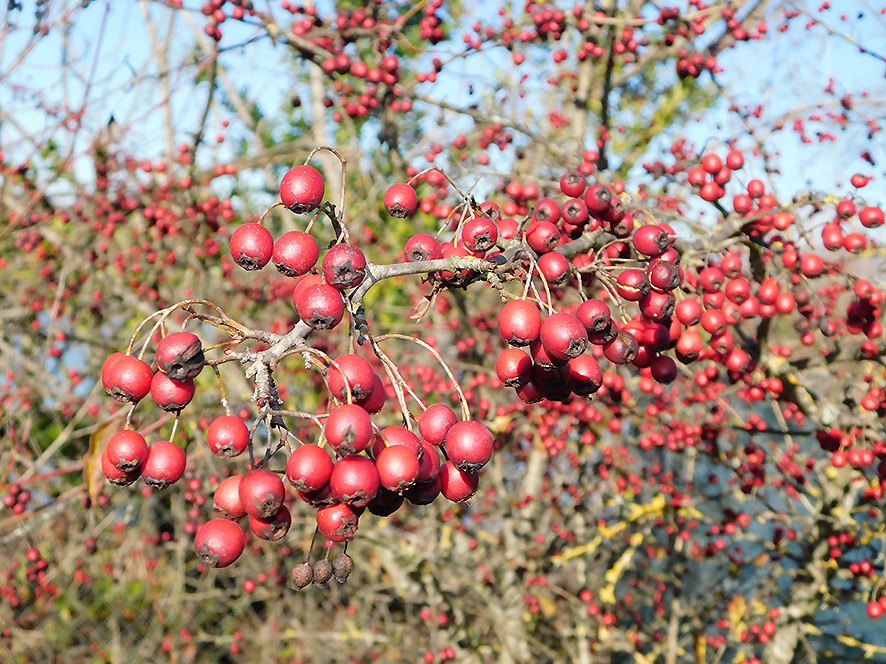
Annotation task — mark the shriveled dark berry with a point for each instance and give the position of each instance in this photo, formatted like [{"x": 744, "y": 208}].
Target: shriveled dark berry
[
  {"x": 322, "y": 572},
  {"x": 342, "y": 565},
  {"x": 300, "y": 576}
]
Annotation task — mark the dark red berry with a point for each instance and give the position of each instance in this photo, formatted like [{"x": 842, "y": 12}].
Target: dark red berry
[
  {"x": 344, "y": 266},
  {"x": 180, "y": 355}
]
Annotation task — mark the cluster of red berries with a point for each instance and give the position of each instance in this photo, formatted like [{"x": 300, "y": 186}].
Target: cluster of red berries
[
  {"x": 357, "y": 466},
  {"x": 127, "y": 456},
  {"x": 215, "y": 11},
  {"x": 17, "y": 499}
]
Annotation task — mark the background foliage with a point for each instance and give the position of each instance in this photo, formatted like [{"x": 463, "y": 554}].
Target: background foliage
[{"x": 706, "y": 520}]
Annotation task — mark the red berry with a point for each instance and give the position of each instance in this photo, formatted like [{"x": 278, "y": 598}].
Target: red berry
[
  {"x": 394, "y": 436},
  {"x": 272, "y": 528},
  {"x": 650, "y": 240},
  {"x": 165, "y": 464},
  {"x": 302, "y": 189},
  {"x": 127, "y": 450},
  {"x": 171, "y": 395},
  {"x": 594, "y": 315},
  {"x": 309, "y": 467},
  {"x": 422, "y": 247},
  {"x": 226, "y": 499},
  {"x": 129, "y": 379},
  {"x": 337, "y": 522},
  {"x": 519, "y": 322},
  {"x": 401, "y": 200},
  {"x": 563, "y": 336},
  {"x": 573, "y": 184},
  {"x": 554, "y": 267},
  {"x": 356, "y": 371},
  {"x": 252, "y": 246},
  {"x": 295, "y": 253},
  {"x": 320, "y": 306},
  {"x": 513, "y": 367},
  {"x": 398, "y": 467},
  {"x": 435, "y": 422},
  {"x": 227, "y": 436},
  {"x": 107, "y": 369},
  {"x": 114, "y": 475},
  {"x": 585, "y": 375},
  {"x": 180, "y": 355},
  {"x": 261, "y": 492},
  {"x": 458, "y": 485},
  {"x": 479, "y": 234},
  {"x": 344, "y": 266},
  {"x": 543, "y": 236},
  {"x": 354, "y": 480},
  {"x": 469, "y": 445},
  {"x": 348, "y": 429},
  {"x": 219, "y": 542}
]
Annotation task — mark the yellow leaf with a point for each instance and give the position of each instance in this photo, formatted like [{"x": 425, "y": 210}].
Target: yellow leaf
[
  {"x": 499, "y": 424},
  {"x": 445, "y": 538},
  {"x": 655, "y": 507},
  {"x": 547, "y": 606},
  {"x": 93, "y": 475},
  {"x": 736, "y": 611},
  {"x": 701, "y": 647},
  {"x": 610, "y": 531},
  {"x": 576, "y": 551}
]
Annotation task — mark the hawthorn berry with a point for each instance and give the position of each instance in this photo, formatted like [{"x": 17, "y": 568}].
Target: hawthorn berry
[
  {"x": 337, "y": 522},
  {"x": 127, "y": 450},
  {"x": 344, "y": 266},
  {"x": 302, "y": 189},
  {"x": 469, "y": 445},
  {"x": 348, "y": 429},
  {"x": 519, "y": 322},
  {"x": 513, "y": 367},
  {"x": 398, "y": 467},
  {"x": 226, "y": 499},
  {"x": 320, "y": 306},
  {"x": 129, "y": 379},
  {"x": 180, "y": 356},
  {"x": 422, "y": 247},
  {"x": 309, "y": 467},
  {"x": 273, "y": 527},
  {"x": 252, "y": 246},
  {"x": 458, "y": 485},
  {"x": 295, "y": 253},
  {"x": 354, "y": 480},
  {"x": 261, "y": 492},
  {"x": 219, "y": 542},
  {"x": 563, "y": 336},
  {"x": 171, "y": 395},
  {"x": 164, "y": 464},
  {"x": 479, "y": 234},
  {"x": 543, "y": 236},
  {"x": 227, "y": 436},
  {"x": 435, "y": 422},
  {"x": 401, "y": 200},
  {"x": 116, "y": 476},
  {"x": 573, "y": 183}
]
